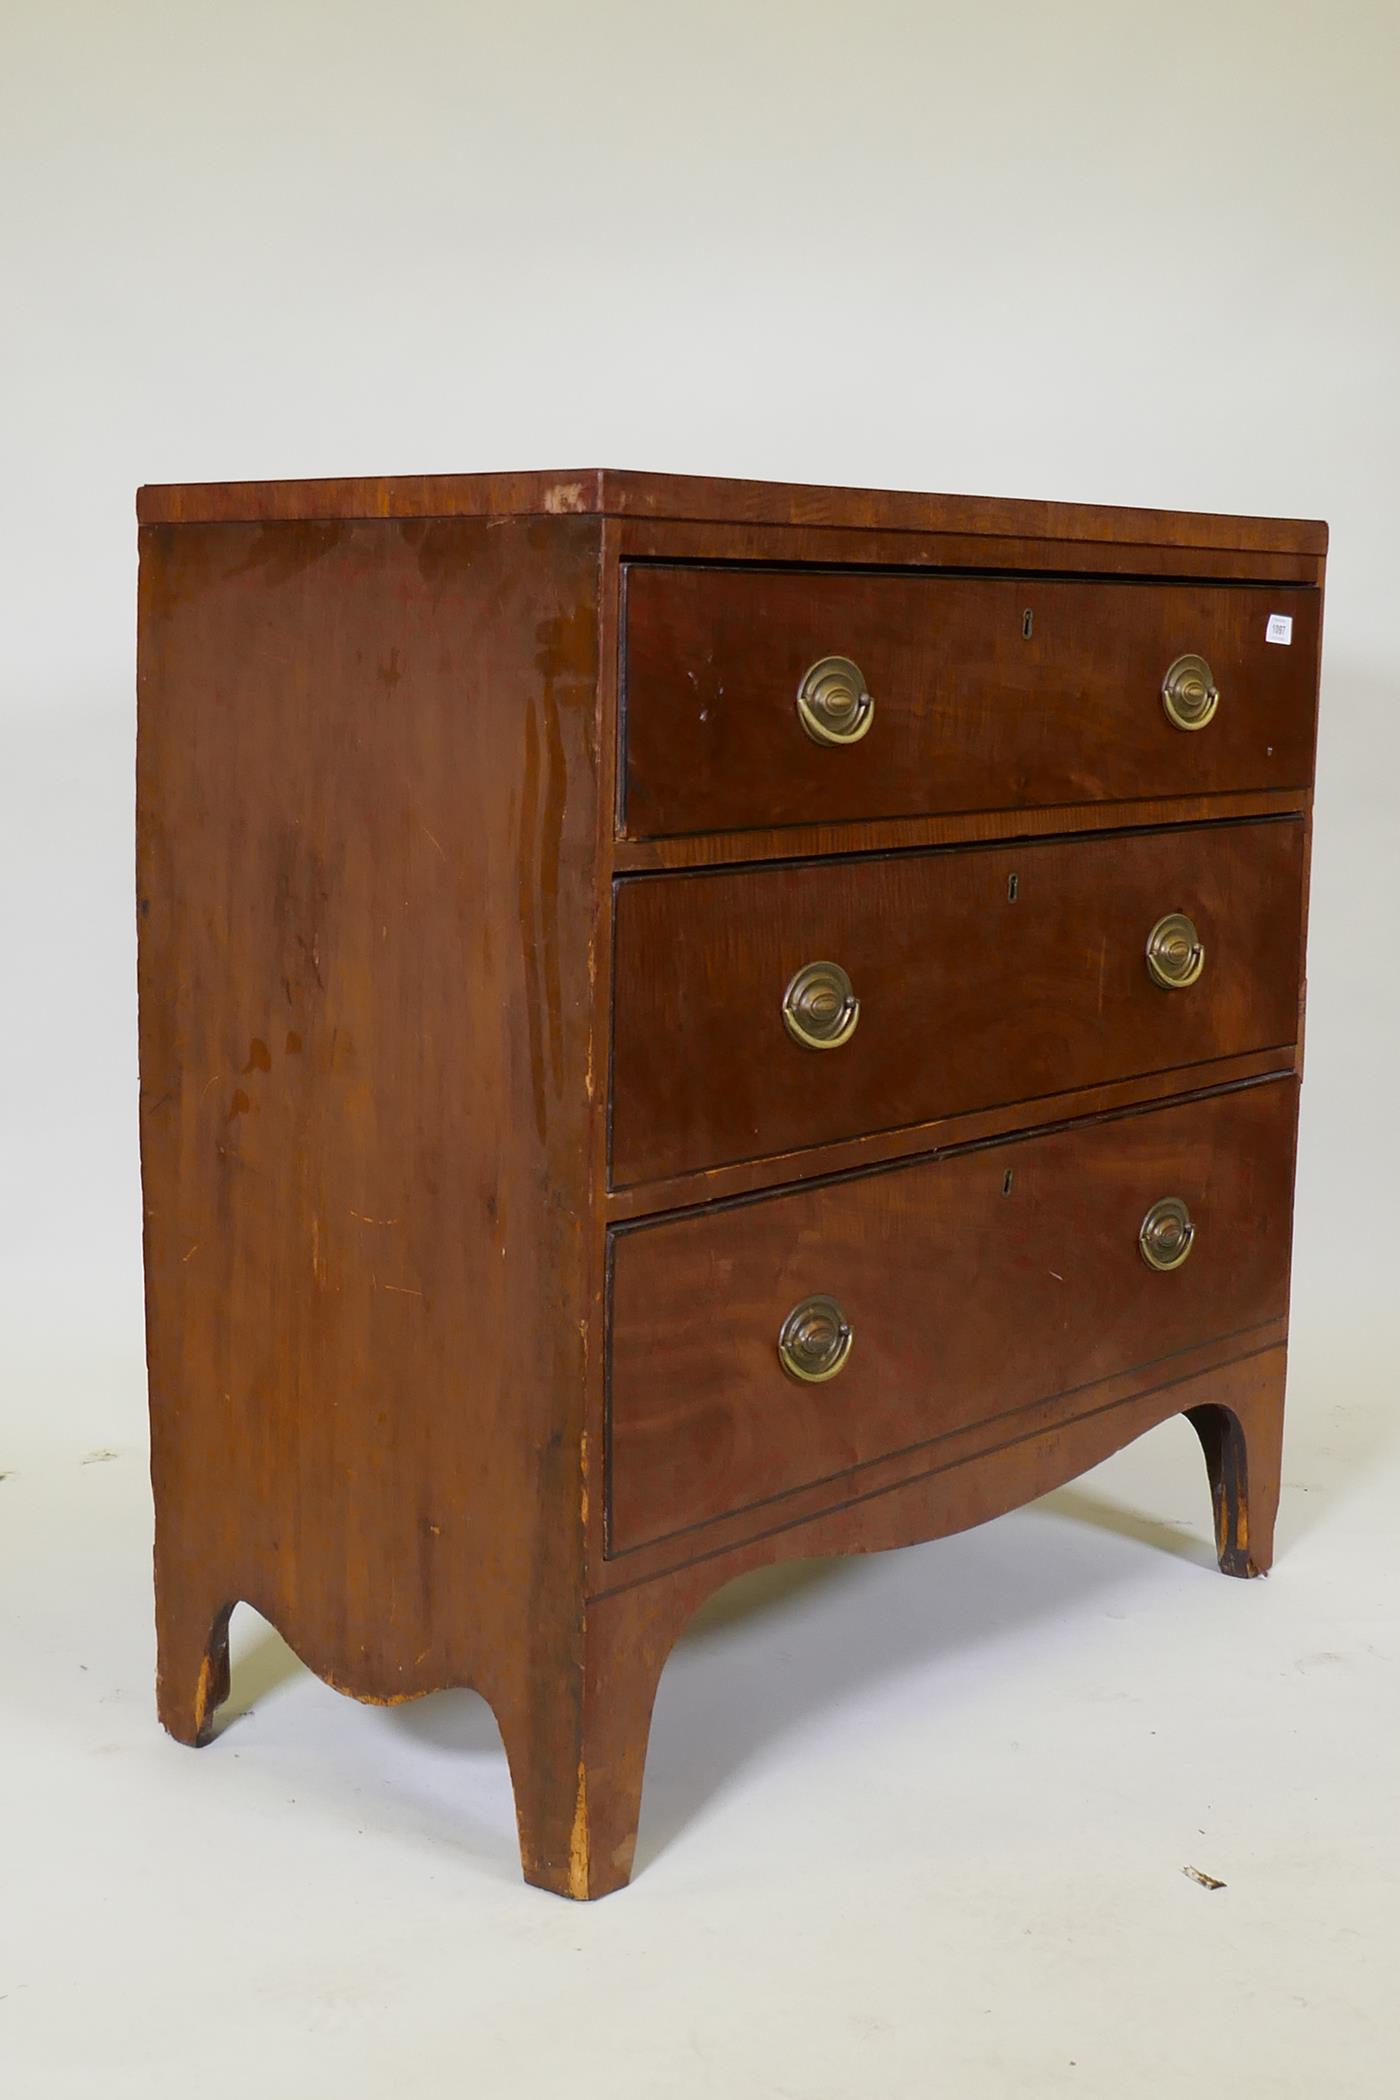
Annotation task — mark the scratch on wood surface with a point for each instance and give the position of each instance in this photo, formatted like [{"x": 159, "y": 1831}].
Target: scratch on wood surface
[
  {"x": 583, "y": 1479},
  {"x": 401, "y": 1290},
  {"x": 578, "y": 1839},
  {"x": 373, "y": 1221},
  {"x": 201, "y": 1692},
  {"x": 374, "y": 1698},
  {"x": 427, "y": 834},
  {"x": 592, "y": 961},
  {"x": 564, "y": 496},
  {"x": 188, "y": 1257}
]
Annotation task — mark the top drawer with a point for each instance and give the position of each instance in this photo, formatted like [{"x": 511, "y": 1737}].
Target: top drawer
[{"x": 985, "y": 693}]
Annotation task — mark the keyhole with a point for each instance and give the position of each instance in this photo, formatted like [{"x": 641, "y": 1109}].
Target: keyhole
[
  {"x": 1013, "y": 883},
  {"x": 1006, "y": 1183},
  {"x": 1027, "y": 622}
]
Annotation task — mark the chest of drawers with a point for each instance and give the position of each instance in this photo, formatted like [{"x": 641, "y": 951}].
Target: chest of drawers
[{"x": 685, "y": 1023}]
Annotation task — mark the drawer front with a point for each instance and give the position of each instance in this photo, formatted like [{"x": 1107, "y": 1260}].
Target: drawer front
[
  {"x": 983, "y": 976},
  {"x": 971, "y": 1286},
  {"x": 969, "y": 710}
]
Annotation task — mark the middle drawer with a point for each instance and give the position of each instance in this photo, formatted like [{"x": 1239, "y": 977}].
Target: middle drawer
[{"x": 766, "y": 1009}]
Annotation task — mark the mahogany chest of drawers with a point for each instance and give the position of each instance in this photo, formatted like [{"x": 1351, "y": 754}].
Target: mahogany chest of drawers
[{"x": 685, "y": 1023}]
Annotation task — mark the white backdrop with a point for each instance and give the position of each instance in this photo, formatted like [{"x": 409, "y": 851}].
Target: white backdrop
[
  {"x": 1106, "y": 250},
  {"x": 1115, "y": 252}
]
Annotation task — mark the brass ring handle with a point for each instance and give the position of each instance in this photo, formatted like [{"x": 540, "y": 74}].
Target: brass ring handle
[
  {"x": 820, "y": 1008},
  {"x": 1189, "y": 693},
  {"x": 1167, "y": 1234},
  {"x": 1175, "y": 955},
  {"x": 814, "y": 1341},
  {"x": 833, "y": 704}
]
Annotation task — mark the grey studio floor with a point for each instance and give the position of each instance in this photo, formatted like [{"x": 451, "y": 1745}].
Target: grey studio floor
[{"x": 914, "y": 1824}]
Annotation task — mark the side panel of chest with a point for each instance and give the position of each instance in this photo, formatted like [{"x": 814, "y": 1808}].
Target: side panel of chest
[{"x": 367, "y": 819}]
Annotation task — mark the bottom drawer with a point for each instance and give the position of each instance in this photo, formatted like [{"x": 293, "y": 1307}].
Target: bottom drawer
[{"x": 948, "y": 1291}]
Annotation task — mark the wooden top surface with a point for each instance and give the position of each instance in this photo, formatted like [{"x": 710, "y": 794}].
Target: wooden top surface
[{"x": 609, "y": 492}]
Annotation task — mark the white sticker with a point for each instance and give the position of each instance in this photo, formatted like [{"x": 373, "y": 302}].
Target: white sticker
[{"x": 1280, "y": 628}]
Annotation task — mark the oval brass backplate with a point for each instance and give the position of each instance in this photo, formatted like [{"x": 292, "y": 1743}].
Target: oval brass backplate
[
  {"x": 814, "y": 1341},
  {"x": 820, "y": 1008},
  {"x": 833, "y": 704},
  {"x": 1167, "y": 1234},
  {"x": 1189, "y": 693},
  {"x": 1175, "y": 955}
]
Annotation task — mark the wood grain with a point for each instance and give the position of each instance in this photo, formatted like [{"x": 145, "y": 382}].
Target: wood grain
[
  {"x": 883, "y": 1148},
  {"x": 366, "y": 836},
  {"x": 970, "y": 713},
  {"x": 958, "y": 1449},
  {"x": 954, "y": 549},
  {"x": 621, "y": 493},
  {"x": 969, "y": 997},
  {"x": 927, "y": 1261},
  {"x": 711, "y": 849}
]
